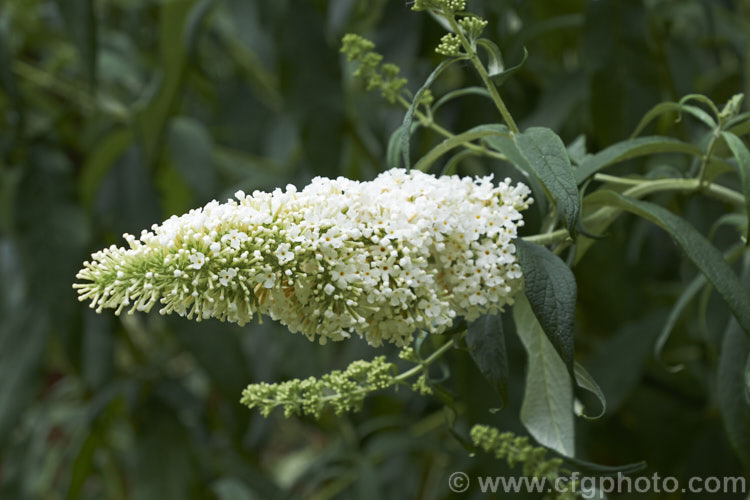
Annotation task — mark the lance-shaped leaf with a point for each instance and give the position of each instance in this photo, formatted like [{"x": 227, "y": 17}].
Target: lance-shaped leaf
[
  {"x": 732, "y": 392},
  {"x": 547, "y": 408},
  {"x": 632, "y": 148},
  {"x": 697, "y": 248},
  {"x": 742, "y": 155},
  {"x": 678, "y": 107},
  {"x": 486, "y": 341},
  {"x": 551, "y": 290},
  {"x": 409, "y": 116},
  {"x": 542, "y": 154}
]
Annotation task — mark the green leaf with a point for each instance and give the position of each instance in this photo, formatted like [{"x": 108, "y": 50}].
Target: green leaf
[
  {"x": 732, "y": 380},
  {"x": 395, "y": 143},
  {"x": 495, "y": 63},
  {"x": 701, "y": 98},
  {"x": 679, "y": 306},
  {"x": 451, "y": 166},
  {"x": 577, "y": 150},
  {"x": 742, "y": 155},
  {"x": 688, "y": 294},
  {"x": 495, "y": 67},
  {"x": 667, "y": 107},
  {"x": 739, "y": 125},
  {"x": 499, "y": 77},
  {"x": 540, "y": 152},
  {"x": 632, "y": 148},
  {"x": 480, "y": 91},
  {"x": 697, "y": 248},
  {"x": 547, "y": 408},
  {"x": 446, "y": 145},
  {"x": 584, "y": 380},
  {"x": 409, "y": 116},
  {"x": 597, "y": 470},
  {"x": 618, "y": 362},
  {"x": 486, "y": 340},
  {"x": 550, "y": 287}
]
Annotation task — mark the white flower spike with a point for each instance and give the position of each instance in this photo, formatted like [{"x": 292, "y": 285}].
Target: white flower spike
[{"x": 407, "y": 251}]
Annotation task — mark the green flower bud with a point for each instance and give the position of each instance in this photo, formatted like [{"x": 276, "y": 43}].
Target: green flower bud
[
  {"x": 473, "y": 26},
  {"x": 450, "y": 45},
  {"x": 343, "y": 391}
]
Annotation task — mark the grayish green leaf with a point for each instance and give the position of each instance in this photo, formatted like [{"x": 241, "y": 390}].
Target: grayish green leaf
[
  {"x": 550, "y": 288},
  {"x": 446, "y": 145},
  {"x": 501, "y": 76},
  {"x": 547, "y": 409},
  {"x": 697, "y": 248},
  {"x": 409, "y": 116},
  {"x": 453, "y": 94},
  {"x": 541, "y": 153},
  {"x": 732, "y": 384},
  {"x": 667, "y": 107},
  {"x": 586, "y": 381},
  {"x": 618, "y": 363},
  {"x": 632, "y": 148},
  {"x": 486, "y": 341},
  {"x": 742, "y": 155}
]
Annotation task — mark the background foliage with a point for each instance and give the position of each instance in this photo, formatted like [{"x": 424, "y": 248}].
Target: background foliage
[{"x": 116, "y": 114}]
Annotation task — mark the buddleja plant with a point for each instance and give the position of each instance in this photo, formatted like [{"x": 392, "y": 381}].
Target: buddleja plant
[{"x": 412, "y": 254}]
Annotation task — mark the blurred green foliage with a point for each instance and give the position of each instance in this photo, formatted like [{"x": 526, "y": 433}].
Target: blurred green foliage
[{"x": 118, "y": 113}]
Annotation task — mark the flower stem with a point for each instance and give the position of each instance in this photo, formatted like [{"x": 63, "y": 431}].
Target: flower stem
[
  {"x": 491, "y": 87},
  {"x": 428, "y": 122},
  {"x": 709, "y": 151},
  {"x": 430, "y": 359}
]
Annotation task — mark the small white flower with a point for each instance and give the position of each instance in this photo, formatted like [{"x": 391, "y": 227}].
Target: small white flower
[
  {"x": 234, "y": 238},
  {"x": 226, "y": 275},
  {"x": 284, "y": 253},
  {"x": 197, "y": 260},
  {"x": 267, "y": 277}
]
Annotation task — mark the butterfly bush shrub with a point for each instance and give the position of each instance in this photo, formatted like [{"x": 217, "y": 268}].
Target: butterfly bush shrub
[{"x": 414, "y": 253}]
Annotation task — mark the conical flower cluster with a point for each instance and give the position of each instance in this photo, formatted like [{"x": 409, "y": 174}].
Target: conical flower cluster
[{"x": 407, "y": 251}]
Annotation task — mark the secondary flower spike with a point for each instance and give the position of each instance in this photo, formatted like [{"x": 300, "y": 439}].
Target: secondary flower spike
[{"x": 384, "y": 258}]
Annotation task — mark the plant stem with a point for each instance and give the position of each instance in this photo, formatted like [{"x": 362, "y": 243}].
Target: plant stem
[
  {"x": 643, "y": 188},
  {"x": 709, "y": 151},
  {"x": 432, "y": 357},
  {"x": 474, "y": 58},
  {"x": 428, "y": 122},
  {"x": 412, "y": 371}
]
